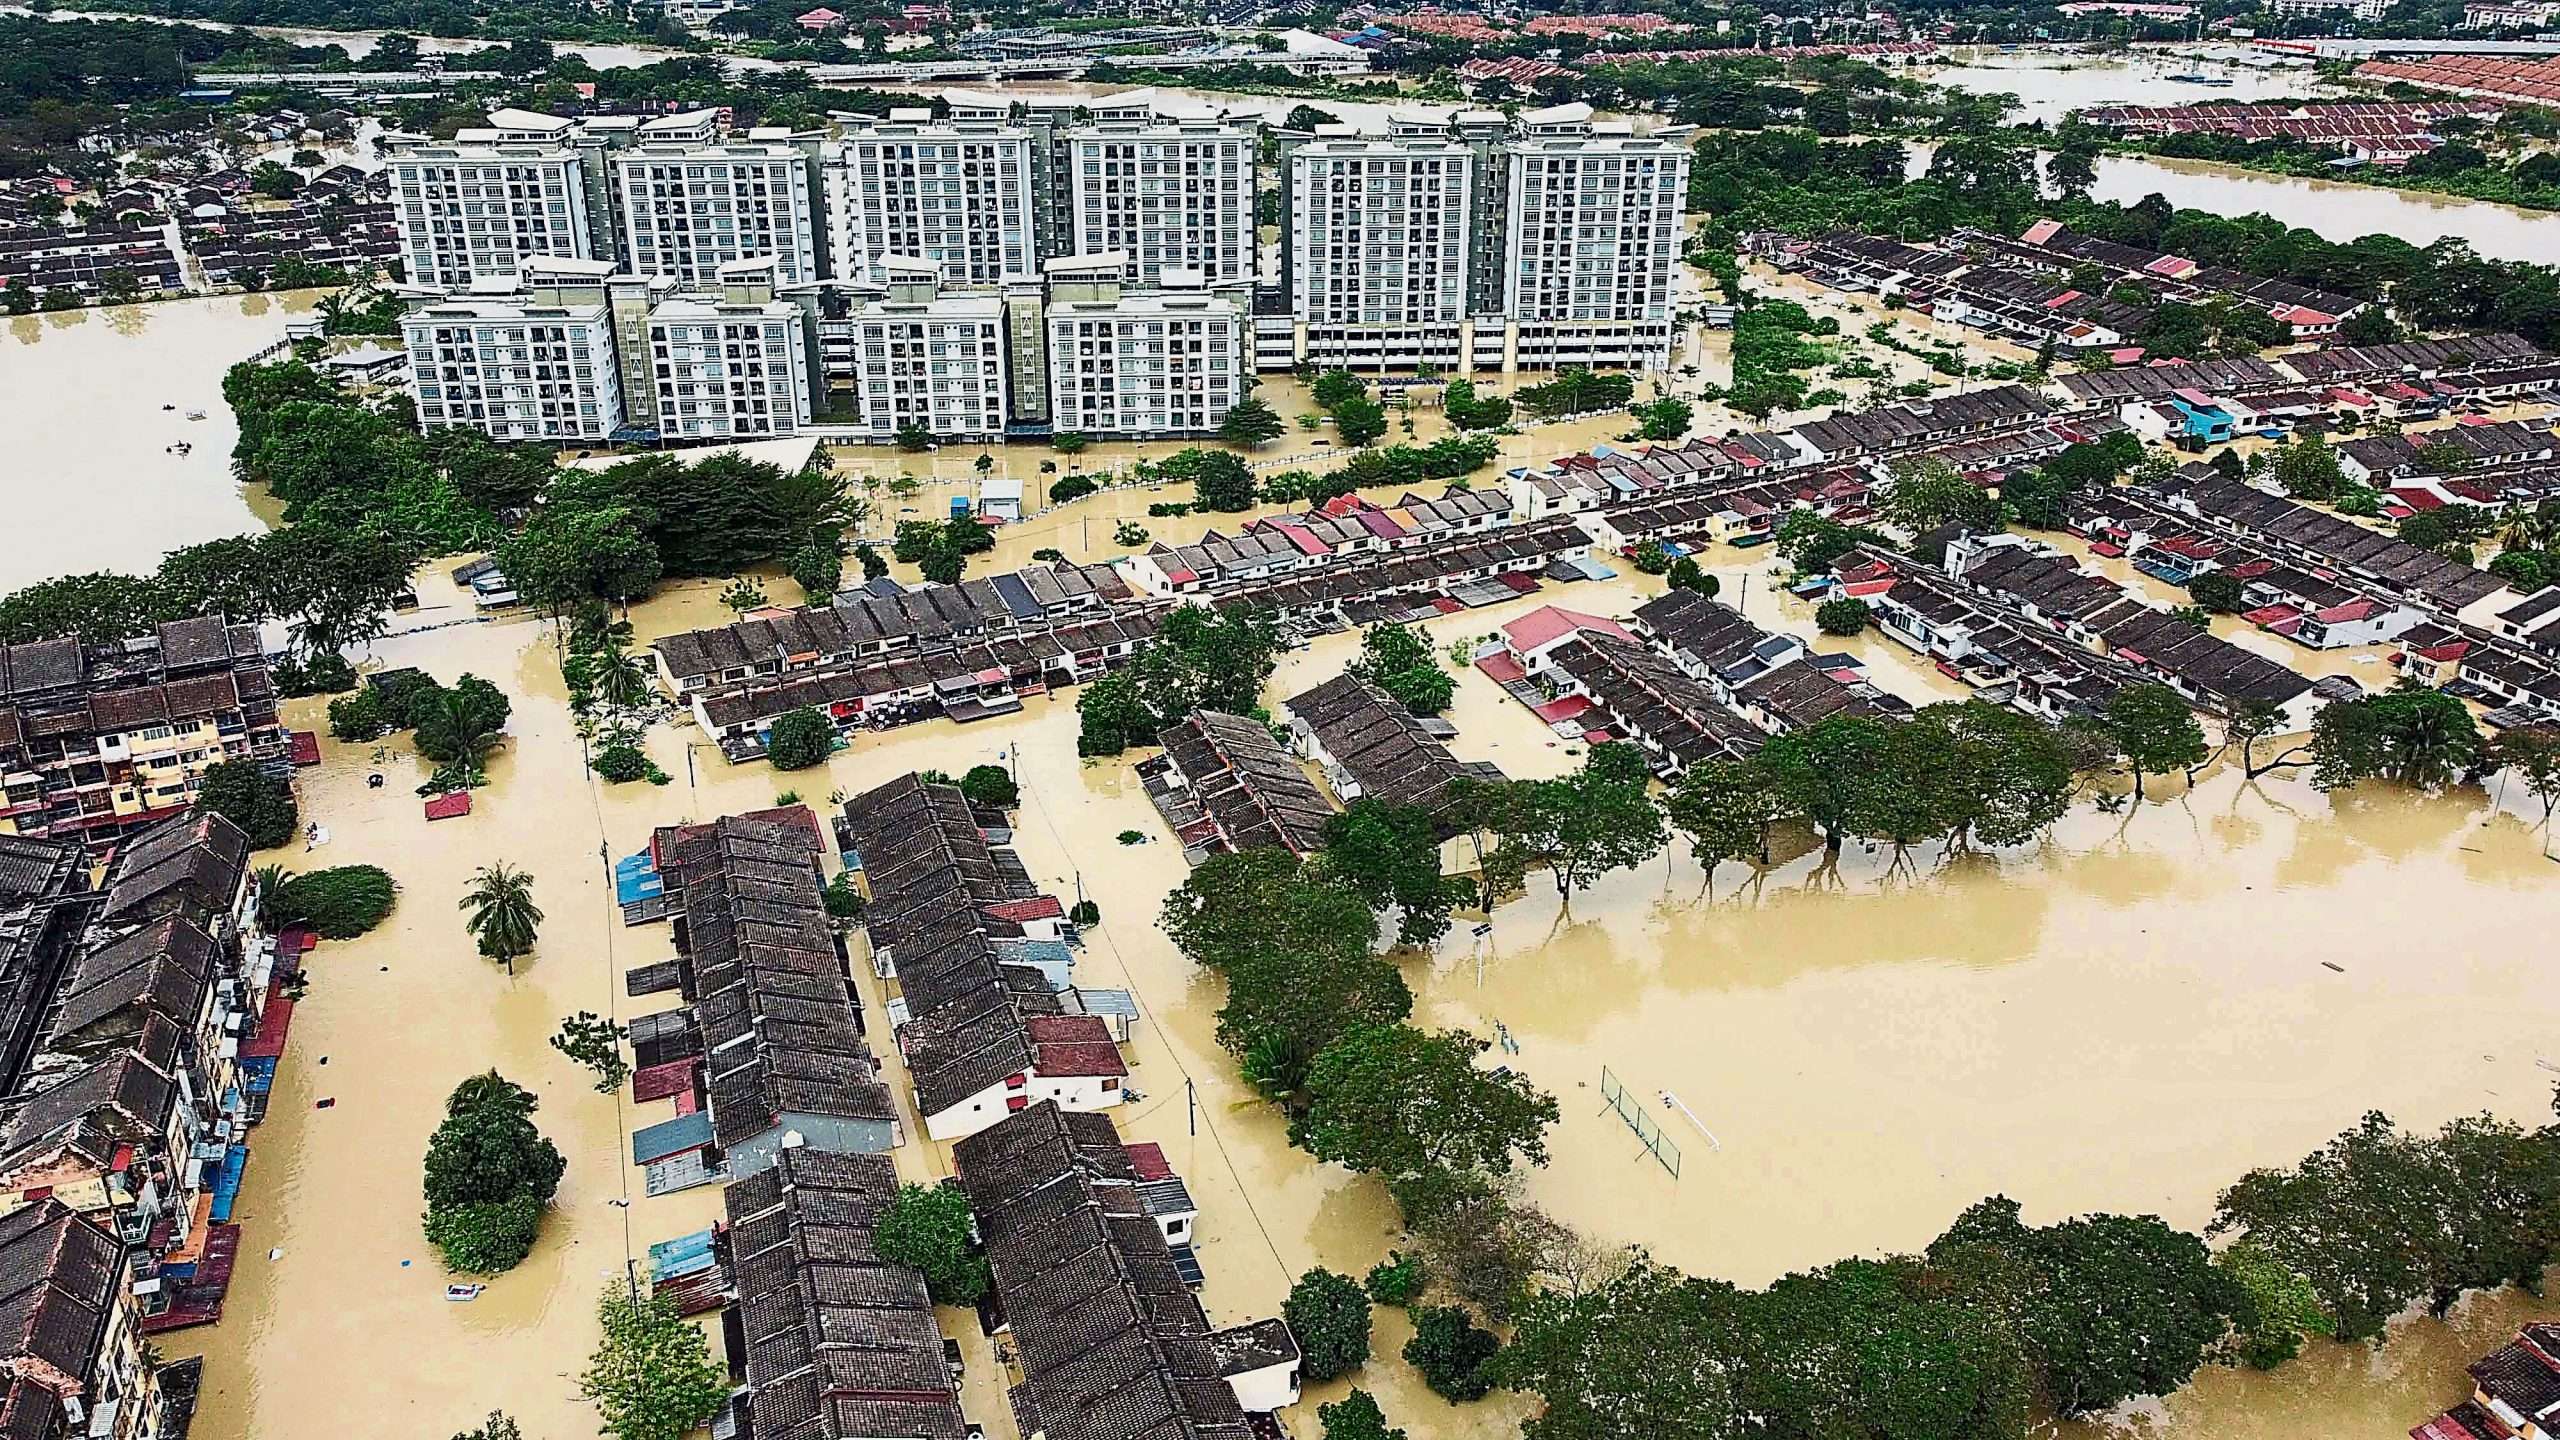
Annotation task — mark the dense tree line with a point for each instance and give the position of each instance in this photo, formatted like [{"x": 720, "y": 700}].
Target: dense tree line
[{"x": 1198, "y": 659}]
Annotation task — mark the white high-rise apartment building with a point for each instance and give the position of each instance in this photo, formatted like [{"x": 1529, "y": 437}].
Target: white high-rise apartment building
[
  {"x": 1158, "y": 363},
  {"x": 929, "y": 361},
  {"x": 958, "y": 193},
  {"x": 1167, "y": 194},
  {"x": 1591, "y": 238},
  {"x": 492, "y": 199},
  {"x": 534, "y": 362},
  {"x": 733, "y": 364},
  {"x": 1378, "y": 243},
  {"x": 690, "y": 208}
]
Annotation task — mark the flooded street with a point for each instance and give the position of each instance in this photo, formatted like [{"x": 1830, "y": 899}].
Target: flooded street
[{"x": 92, "y": 484}]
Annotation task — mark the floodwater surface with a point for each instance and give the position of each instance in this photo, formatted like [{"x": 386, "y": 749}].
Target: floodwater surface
[{"x": 96, "y": 398}]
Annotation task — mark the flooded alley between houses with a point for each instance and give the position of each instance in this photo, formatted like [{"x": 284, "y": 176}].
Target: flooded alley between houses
[{"x": 2126, "y": 1016}]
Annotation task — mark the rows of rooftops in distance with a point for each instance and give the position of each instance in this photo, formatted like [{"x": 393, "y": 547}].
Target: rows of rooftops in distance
[
  {"x": 987, "y": 1014},
  {"x": 2048, "y": 249}
]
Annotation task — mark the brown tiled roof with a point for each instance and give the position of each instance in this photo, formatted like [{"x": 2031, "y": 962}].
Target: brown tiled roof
[{"x": 115, "y": 711}]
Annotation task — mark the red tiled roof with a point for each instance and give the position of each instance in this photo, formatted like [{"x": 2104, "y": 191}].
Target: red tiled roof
[
  {"x": 1501, "y": 669},
  {"x": 1079, "y": 1058},
  {"x": 1147, "y": 1158},
  {"x": 1550, "y": 623},
  {"x": 657, "y": 1082},
  {"x": 1563, "y": 709},
  {"x": 451, "y": 804},
  {"x": 1052, "y": 1029},
  {"x": 1038, "y": 907},
  {"x": 306, "y": 746}
]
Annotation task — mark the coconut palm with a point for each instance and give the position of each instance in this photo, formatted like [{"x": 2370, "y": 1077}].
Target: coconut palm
[
  {"x": 619, "y": 678},
  {"x": 503, "y": 916}
]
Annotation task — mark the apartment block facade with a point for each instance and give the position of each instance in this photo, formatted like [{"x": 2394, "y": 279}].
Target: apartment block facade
[
  {"x": 959, "y": 193},
  {"x": 930, "y": 361},
  {"x": 1167, "y": 195},
  {"x": 1479, "y": 244},
  {"x": 690, "y": 208},
  {"x": 1378, "y": 247},
  {"x": 1134, "y": 364},
  {"x": 533, "y": 363},
  {"x": 730, "y": 367}
]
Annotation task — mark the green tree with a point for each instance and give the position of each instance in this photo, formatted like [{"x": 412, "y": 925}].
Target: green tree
[
  {"x": 2006, "y": 778},
  {"x": 1356, "y": 1416},
  {"x": 1928, "y": 492},
  {"x": 800, "y": 739},
  {"x": 2216, "y": 593},
  {"x": 1875, "y": 1347},
  {"x": 1222, "y": 483},
  {"x": 1821, "y": 771},
  {"x": 2532, "y": 752},
  {"x": 1359, "y": 420},
  {"x": 1396, "y": 1280},
  {"x": 2307, "y": 469},
  {"x": 1390, "y": 855},
  {"x": 1685, "y": 574},
  {"x": 1845, "y": 616},
  {"x": 2253, "y": 723},
  {"x": 1666, "y": 418},
  {"x": 743, "y": 595},
  {"x": 497, "y": 1427},
  {"x": 595, "y": 1042},
  {"x": 913, "y": 439},
  {"x": 1725, "y": 807},
  {"x": 339, "y": 903},
  {"x": 652, "y": 1376},
  {"x": 1250, "y": 422},
  {"x": 242, "y": 792},
  {"x": 461, "y": 724},
  {"x": 1297, "y": 953},
  {"x": 502, "y": 915},
  {"x": 489, "y": 1175},
  {"x": 2108, "y": 1307},
  {"x": 1334, "y": 388},
  {"x": 1330, "y": 1318},
  {"x": 819, "y": 572},
  {"x": 1413, "y": 1107},
  {"x": 2278, "y": 1309},
  {"x": 2154, "y": 730},
  {"x": 1399, "y": 660},
  {"x": 990, "y": 787},
  {"x": 1590, "y": 823},
  {"x": 2410, "y": 734},
  {"x": 1451, "y": 1353},
  {"x": 927, "y": 1227},
  {"x": 1650, "y": 1355}
]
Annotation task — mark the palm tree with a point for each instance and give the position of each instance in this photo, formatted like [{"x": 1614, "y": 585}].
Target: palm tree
[
  {"x": 620, "y": 680},
  {"x": 457, "y": 729},
  {"x": 503, "y": 915}
]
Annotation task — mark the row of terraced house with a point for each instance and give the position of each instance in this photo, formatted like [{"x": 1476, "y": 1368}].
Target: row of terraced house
[{"x": 1088, "y": 1238}]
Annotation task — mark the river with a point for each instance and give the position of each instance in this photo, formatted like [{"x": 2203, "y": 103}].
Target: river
[{"x": 2050, "y": 84}]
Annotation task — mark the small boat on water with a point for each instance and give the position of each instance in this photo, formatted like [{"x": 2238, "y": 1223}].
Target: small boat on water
[
  {"x": 463, "y": 1292},
  {"x": 2192, "y": 77},
  {"x": 195, "y": 414}
]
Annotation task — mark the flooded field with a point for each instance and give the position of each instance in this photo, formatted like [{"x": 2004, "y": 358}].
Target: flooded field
[
  {"x": 2050, "y": 84},
  {"x": 2124, "y": 1017}
]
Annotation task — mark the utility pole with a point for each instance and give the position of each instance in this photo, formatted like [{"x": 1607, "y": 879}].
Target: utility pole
[{"x": 1191, "y": 1100}]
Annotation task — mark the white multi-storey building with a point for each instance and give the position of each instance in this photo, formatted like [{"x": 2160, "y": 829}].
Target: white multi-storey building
[
  {"x": 690, "y": 206},
  {"x": 1379, "y": 231},
  {"x": 731, "y": 365},
  {"x": 491, "y": 200},
  {"x": 929, "y": 361},
  {"x": 1591, "y": 237},
  {"x": 519, "y": 362},
  {"x": 956, "y": 192},
  {"x": 1167, "y": 194},
  {"x": 1157, "y": 363}
]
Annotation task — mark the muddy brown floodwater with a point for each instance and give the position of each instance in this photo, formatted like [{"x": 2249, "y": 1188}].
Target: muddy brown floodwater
[{"x": 2124, "y": 1017}]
